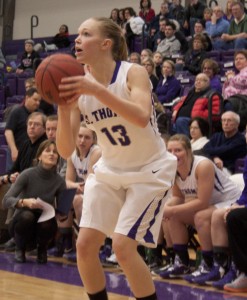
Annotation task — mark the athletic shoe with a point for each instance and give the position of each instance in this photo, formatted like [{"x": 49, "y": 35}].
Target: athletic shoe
[
  {"x": 202, "y": 270},
  {"x": 177, "y": 270},
  {"x": 155, "y": 264},
  {"x": 55, "y": 252},
  {"x": 161, "y": 269},
  {"x": 216, "y": 273},
  {"x": 105, "y": 252},
  {"x": 70, "y": 256},
  {"x": 110, "y": 261},
  {"x": 9, "y": 246},
  {"x": 239, "y": 285},
  {"x": 229, "y": 277}
]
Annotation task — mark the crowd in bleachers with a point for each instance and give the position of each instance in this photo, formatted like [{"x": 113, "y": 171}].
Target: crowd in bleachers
[{"x": 196, "y": 59}]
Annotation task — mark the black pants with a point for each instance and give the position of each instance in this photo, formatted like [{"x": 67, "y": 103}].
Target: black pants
[
  {"x": 237, "y": 234},
  {"x": 26, "y": 230}
]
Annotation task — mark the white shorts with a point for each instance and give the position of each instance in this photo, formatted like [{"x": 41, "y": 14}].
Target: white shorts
[{"x": 129, "y": 203}]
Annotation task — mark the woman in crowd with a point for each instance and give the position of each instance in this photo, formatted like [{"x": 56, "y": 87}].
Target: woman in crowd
[
  {"x": 43, "y": 182},
  {"x": 158, "y": 59},
  {"x": 195, "y": 56},
  {"x": 148, "y": 63},
  {"x": 228, "y": 11},
  {"x": 115, "y": 16},
  {"x": 236, "y": 83},
  {"x": 146, "y": 53},
  {"x": 60, "y": 40},
  {"x": 168, "y": 87},
  {"x": 146, "y": 12},
  {"x": 199, "y": 130},
  {"x": 211, "y": 68}
]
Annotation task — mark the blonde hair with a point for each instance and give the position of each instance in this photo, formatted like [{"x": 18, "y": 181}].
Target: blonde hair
[{"x": 112, "y": 31}]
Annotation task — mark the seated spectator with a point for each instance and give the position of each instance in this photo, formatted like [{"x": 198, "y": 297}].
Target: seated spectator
[
  {"x": 217, "y": 25},
  {"x": 199, "y": 28},
  {"x": 195, "y": 104},
  {"x": 163, "y": 14},
  {"x": 228, "y": 16},
  {"x": 194, "y": 12},
  {"x": 177, "y": 11},
  {"x": 28, "y": 58},
  {"x": 41, "y": 181},
  {"x": 158, "y": 59},
  {"x": 16, "y": 125},
  {"x": 149, "y": 65},
  {"x": 207, "y": 14},
  {"x": 236, "y": 38},
  {"x": 135, "y": 57},
  {"x": 199, "y": 130},
  {"x": 199, "y": 189},
  {"x": 211, "y": 68},
  {"x": 133, "y": 26},
  {"x": 45, "y": 107},
  {"x": 122, "y": 19},
  {"x": 170, "y": 44},
  {"x": 168, "y": 87},
  {"x": 225, "y": 147},
  {"x": 236, "y": 83},
  {"x": 27, "y": 152},
  {"x": 146, "y": 53},
  {"x": 146, "y": 12},
  {"x": 194, "y": 57},
  {"x": 59, "y": 41},
  {"x": 115, "y": 16}
]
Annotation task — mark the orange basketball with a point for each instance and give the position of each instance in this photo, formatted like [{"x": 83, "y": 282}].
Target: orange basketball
[{"x": 50, "y": 72}]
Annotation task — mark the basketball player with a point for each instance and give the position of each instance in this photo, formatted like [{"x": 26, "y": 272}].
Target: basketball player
[{"x": 125, "y": 195}]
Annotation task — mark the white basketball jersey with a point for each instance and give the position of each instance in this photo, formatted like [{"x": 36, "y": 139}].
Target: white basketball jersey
[
  {"x": 124, "y": 146},
  {"x": 81, "y": 165},
  {"x": 224, "y": 188}
]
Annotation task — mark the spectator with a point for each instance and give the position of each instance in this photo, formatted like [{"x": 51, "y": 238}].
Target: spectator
[
  {"x": 16, "y": 126},
  {"x": 133, "y": 26},
  {"x": 59, "y": 41},
  {"x": 236, "y": 38},
  {"x": 148, "y": 63},
  {"x": 122, "y": 18},
  {"x": 168, "y": 87},
  {"x": 207, "y": 14},
  {"x": 158, "y": 59},
  {"x": 228, "y": 16},
  {"x": 41, "y": 182},
  {"x": 115, "y": 16},
  {"x": 170, "y": 45},
  {"x": 178, "y": 12},
  {"x": 225, "y": 147},
  {"x": 195, "y": 56},
  {"x": 45, "y": 107},
  {"x": 26, "y": 154},
  {"x": 199, "y": 28},
  {"x": 217, "y": 25},
  {"x": 28, "y": 58},
  {"x": 163, "y": 14},
  {"x": 211, "y": 68},
  {"x": 194, "y": 12},
  {"x": 199, "y": 131},
  {"x": 195, "y": 104},
  {"x": 135, "y": 57},
  {"x": 146, "y": 12},
  {"x": 146, "y": 53},
  {"x": 236, "y": 83},
  {"x": 199, "y": 189}
]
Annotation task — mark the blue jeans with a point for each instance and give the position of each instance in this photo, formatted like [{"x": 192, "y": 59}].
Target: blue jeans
[
  {"x": 181, "y": 125},
  {"x": 236, "y": 44}
]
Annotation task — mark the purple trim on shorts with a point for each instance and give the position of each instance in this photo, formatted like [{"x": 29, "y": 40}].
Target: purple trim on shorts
[{"x": 148, "y": 237}]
